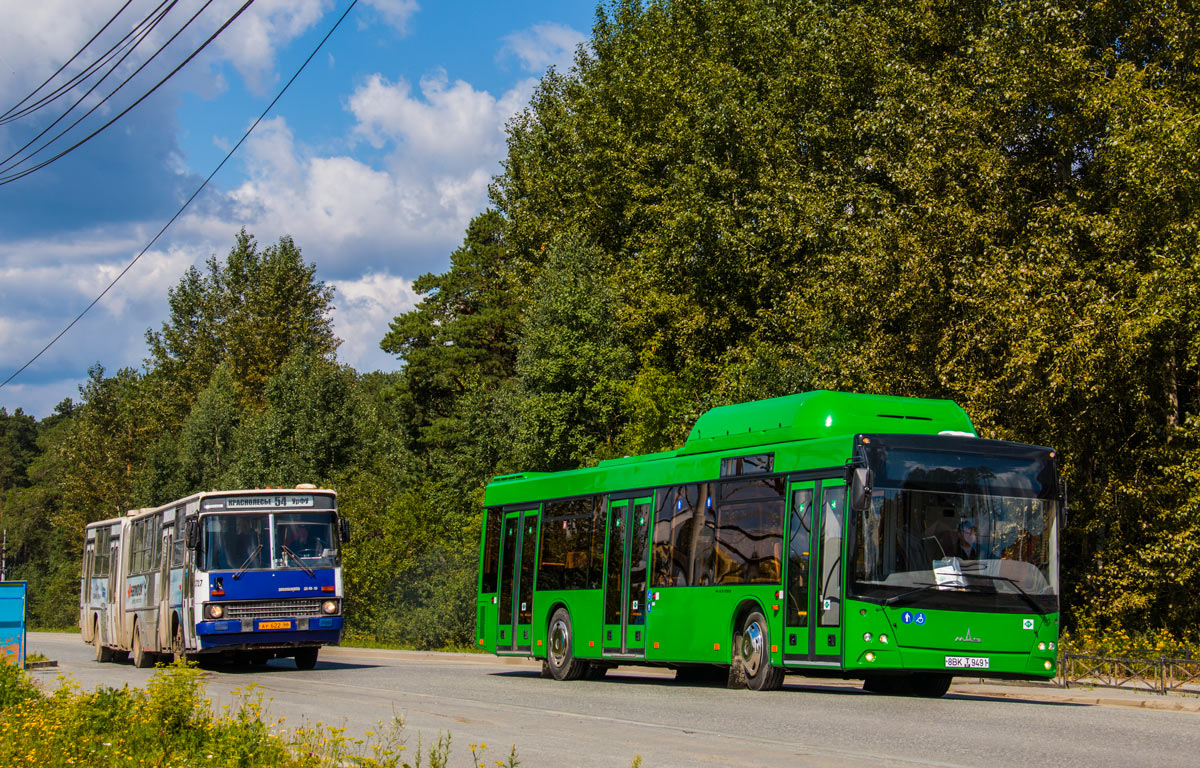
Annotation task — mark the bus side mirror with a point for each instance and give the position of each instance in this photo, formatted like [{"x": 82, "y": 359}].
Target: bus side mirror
[
  {"x": 191, "y": 538},
  {"x": 861, "y": 484},
  {"x": 344, "y": 530},
  {"x": 1064, "y": 503}
]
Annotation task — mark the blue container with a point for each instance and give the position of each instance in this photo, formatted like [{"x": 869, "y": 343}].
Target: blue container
[{"x": 12, "y": 621}]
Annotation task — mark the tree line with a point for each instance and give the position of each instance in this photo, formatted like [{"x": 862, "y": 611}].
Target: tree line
[{"x": 722, "y": 200}]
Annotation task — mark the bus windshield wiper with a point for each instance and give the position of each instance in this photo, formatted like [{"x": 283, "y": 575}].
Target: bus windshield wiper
[
  {"x": 246, "y": 563},
  {"x": 926, "y": 587},
  {"x": 1025, "y": 595},
  {"x": 296, "y": 557},
  {"x": 919, "y": 588}
]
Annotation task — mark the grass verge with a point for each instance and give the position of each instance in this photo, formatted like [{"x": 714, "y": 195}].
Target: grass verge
[{"x": 172, "y": 723}]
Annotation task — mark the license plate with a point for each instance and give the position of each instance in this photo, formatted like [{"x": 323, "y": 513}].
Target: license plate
[
  {"x": 288, "y": 625},
  {"x": 966, "y": 662}
]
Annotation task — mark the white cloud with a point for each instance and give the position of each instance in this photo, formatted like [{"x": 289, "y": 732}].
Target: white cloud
[
  {"x": 50, "y": 282},
  {"x": 396, "y": 12},
  {"x": 365, "y": 307},
  {"x": 450, "y": 122},
  {"x": 542, "y": 46},
  {"x": 250, "y": 42},
  {"x": 400, "y": 215}
]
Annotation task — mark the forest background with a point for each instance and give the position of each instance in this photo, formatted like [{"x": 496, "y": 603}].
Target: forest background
[{"x": 993, "y": 202}]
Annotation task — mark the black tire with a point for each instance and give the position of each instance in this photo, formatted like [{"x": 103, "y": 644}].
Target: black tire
[
  {"x": 142, "y": 659},
  {"x": 560, "y": 656},
  {"x": 306, "y": 658},
  {"x": 752, "y": 652},
  {"x": 930, "y": 685},
  {"x": 103, "y": 654}
]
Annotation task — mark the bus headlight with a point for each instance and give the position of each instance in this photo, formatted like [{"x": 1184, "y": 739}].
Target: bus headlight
[
  {"x": 213, "y": 611},
  {"x": 1049, "y": 665},
  {"x": 330, "y": 606},
  {"x": 1041, "y": 646}
]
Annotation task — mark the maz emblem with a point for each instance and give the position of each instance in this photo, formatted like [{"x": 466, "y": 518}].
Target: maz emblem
[{"x": 968, "y": 638}]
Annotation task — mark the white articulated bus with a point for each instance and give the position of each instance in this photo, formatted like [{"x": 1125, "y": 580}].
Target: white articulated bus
[{"x": 245, "y": 575}]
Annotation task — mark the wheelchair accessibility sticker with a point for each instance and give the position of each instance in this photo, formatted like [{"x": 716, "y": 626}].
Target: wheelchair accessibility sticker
[{"x": 908, "y": 617}]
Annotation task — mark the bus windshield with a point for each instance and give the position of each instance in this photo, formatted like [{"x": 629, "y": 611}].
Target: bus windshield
[
  {"x": 261, "y": 541},
  {"x": 957, "y": 523}
]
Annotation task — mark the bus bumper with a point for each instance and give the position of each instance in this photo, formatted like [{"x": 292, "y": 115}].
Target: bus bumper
[{"x": 255, "y": 633}]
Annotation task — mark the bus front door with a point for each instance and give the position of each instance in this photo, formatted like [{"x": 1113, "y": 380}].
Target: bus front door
[
  {"x": 625, "y": 577},
  {"x": 518, "y": 550},
  {"x": 812, "y": 627}
]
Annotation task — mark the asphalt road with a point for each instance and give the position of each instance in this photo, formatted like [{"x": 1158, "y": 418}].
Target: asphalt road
[{"x": 504, "y": 702}]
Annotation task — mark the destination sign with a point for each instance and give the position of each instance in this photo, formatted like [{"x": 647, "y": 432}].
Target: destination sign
[{"x": 258, "y": 502}]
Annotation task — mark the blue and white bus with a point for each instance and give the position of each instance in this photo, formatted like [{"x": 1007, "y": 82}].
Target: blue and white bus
[{"x": 244, "y": 575}]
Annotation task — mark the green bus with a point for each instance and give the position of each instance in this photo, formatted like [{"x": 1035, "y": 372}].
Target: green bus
[{"x": 823, "y": 533}]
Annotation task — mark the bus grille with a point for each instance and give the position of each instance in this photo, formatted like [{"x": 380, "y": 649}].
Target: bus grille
[{"x": 270, "y": 609}]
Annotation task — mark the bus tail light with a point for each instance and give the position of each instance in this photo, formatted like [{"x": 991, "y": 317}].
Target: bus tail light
[{"x": 213, "y": 611}]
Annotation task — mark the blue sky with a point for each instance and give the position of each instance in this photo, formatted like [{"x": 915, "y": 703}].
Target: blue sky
[{"x": 374, "y": 161}]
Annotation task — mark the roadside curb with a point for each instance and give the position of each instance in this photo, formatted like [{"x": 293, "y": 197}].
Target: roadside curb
[
  {"x": 1089, "y": 698},
  {"x": 31, "y": 665}
]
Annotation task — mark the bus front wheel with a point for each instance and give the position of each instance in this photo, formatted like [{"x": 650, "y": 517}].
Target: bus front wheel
[
  {"x": 306, "y": 658},
  {"x": 930, "y": 685},
  {"x": 753, "y": 650},
  {"x": 559, "y": 656}
]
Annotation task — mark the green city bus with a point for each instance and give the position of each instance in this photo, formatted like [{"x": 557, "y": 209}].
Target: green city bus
[{"x": 824, "y": 533}]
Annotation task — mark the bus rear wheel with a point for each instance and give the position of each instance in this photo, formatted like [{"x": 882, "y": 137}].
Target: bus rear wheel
[
  {"x": 753, "y": 650},
  {"x": 559, "y": 656},
  {"x": 103, "y": 654},
  {"x": 141, "y": 658},
  {"x": 306, "y": 658}
]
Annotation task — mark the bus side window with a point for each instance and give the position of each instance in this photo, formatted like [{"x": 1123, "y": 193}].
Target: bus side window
[
  {"x": 491, "y": 551},
  {"x": 662, "y": 556}
]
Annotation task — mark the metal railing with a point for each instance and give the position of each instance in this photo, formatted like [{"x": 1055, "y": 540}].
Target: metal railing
[{"x": 1140, "y": 670}]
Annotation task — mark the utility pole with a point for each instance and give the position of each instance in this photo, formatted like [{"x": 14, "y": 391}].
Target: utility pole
[{"x": 4, "y": 557}]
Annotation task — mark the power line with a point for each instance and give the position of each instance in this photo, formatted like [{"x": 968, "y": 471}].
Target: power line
[
  {"x": 81, "y": 76},
  {"x": 188, "y": 202},
  {"x": 66, "y": 64},
  {"x": 142, "y": 36},
  {"x": 22, "y": 174}
]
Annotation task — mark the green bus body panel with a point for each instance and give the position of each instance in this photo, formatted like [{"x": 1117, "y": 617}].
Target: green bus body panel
[
  {"x": 808, "y": 431},
  {"x": 1002, "y": 638}
]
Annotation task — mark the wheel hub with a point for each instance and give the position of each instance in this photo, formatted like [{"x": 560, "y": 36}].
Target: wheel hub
[
  {"x": 752, "y": 649},
  {"x": 559, "y": 643}
]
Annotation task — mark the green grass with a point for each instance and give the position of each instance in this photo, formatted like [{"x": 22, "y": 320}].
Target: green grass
[
  {"x": 172, "y": 723},
  {"x": 361, "y": 640}
]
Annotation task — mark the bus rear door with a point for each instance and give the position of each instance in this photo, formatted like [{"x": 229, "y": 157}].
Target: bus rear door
[
  {"x": 625, "y": 577},
  {"x": 518, "y": 551}
]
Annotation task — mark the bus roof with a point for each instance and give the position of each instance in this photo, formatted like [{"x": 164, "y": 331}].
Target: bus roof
[{"x": 824, "y": 421}]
